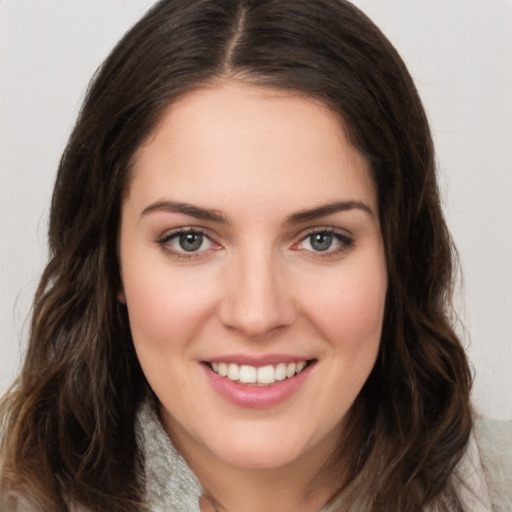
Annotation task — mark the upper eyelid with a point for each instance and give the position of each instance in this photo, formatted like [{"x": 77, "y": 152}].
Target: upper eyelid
[
  {"x": 323, "y": 229},
  {"x": 170, "y": 233}
]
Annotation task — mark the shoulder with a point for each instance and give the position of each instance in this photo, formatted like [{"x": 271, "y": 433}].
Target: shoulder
[{"x": 494, "y": 438}]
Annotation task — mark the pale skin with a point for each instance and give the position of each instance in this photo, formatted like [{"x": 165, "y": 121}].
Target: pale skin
[{"x": 236, "y": 166}]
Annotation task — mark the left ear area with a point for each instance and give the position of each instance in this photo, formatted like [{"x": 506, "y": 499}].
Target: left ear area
[{"x": 121, "y": 297}]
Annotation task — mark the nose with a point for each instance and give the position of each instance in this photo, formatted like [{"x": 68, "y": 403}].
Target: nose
[{"x": 257, "y": 299}]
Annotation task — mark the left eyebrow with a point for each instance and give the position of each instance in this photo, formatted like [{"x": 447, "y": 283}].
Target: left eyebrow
[
  {"x": 186, "y": 209},
  {"x": 328, "y": 209}
]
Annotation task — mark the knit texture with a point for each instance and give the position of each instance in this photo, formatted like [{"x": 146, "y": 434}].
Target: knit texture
[
  {"x": 172, "y": 486},
  {"x": 495, "y": 444}
]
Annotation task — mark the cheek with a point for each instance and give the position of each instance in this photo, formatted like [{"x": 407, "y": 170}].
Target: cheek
[
  {"x": 165, "y": 312},
  {"x": 349, "y": 317},
  {"x": 166, "y": 307},
  {"x": 349, "y": 307}
]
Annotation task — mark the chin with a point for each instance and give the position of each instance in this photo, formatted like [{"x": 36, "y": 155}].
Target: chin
[
  {"x": 269, "y": 458},
  {"x": 259, "y": 449}
]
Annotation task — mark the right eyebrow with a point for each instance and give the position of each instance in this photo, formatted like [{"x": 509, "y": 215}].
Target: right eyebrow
[
  {"x": 328, "y": 209},
  {"x": 186, "y": 209}
]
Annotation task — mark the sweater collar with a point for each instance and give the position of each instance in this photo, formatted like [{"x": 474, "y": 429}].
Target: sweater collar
[{"x": 170, "y": 483}]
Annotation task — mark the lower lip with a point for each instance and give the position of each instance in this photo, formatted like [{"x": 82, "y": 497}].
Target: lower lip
[{"x": 246, "y": 395}]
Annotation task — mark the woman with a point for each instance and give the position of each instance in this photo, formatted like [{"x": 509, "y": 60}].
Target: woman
[{"x": 246, "y": 304}]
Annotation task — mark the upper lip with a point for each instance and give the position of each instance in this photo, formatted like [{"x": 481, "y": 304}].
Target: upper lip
[{"x": 257, "y": 361}]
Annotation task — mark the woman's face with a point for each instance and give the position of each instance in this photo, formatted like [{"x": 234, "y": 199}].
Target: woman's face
[{"x": 250, "y": 244}]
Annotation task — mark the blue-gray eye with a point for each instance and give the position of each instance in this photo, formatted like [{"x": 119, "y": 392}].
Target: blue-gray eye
[
  {"x": 321, "y": 241},
  {"x": 328, "y": 242},
  {"x": 190, "y": 242},
  {"x": 186, "y": 242}
]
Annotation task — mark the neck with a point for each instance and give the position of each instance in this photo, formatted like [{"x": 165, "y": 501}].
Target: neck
[
  {"x": 252, "y": 490},
  {"x": 303, "y": 485},
  {"x": 256, "y": 490}
]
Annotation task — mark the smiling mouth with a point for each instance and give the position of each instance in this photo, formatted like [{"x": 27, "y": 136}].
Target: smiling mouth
[{"x": 259, "y": 376}]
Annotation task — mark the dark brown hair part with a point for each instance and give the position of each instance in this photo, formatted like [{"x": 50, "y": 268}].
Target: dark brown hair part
[{"x": 68, "y": 421}]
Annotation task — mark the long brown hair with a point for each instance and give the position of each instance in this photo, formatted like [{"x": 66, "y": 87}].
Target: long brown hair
[{"x": 68, "y": 421}]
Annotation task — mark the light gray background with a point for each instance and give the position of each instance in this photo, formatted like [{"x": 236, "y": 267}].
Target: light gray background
[{"x": 458, "y": 51}]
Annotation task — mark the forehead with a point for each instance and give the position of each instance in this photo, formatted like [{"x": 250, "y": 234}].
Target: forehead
[{"x": 237, "y": 141}]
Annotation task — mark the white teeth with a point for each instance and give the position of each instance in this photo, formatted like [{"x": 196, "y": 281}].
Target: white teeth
[
  {"x": 223, "y": 369},
  {"x": 247, "y": 374},
  {"x": 266, "y": 375},
  {"x": 281, "y": 371},
  {"x": 233, "y": 371},
  {"x": 301, "y": 366},
  {"x": 269, "y": 374}
]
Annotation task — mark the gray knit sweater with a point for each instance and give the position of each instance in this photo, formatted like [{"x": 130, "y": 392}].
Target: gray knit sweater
[{"x": 486, "y": 469}]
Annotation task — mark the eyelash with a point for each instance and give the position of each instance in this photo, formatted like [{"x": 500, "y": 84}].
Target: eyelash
[
  {"x": 165, "y": 243},
  {"x": 345, "y": 243}
]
